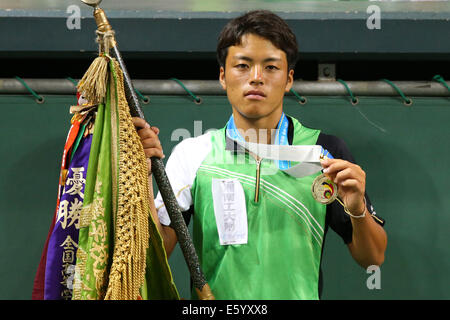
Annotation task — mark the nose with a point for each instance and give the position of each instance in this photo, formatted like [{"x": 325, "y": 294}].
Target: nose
[{"x": 256, "y": 75}]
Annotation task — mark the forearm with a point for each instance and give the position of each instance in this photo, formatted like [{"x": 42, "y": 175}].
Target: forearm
[
  {"x": 153, "y": 148},
  {"x": 168, "y": 234},
  {"x": 369, "y": 241}
]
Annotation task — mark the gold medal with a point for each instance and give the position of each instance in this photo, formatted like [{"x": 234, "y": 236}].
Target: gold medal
[{"x": 324, "y": 190}]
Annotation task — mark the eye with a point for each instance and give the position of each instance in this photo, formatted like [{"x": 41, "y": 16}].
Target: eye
[
  {"x": 272, "y": 67},
  {"x": 241, "y": 66}
]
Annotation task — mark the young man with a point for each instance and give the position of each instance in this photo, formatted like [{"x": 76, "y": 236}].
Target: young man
[{"x": 258, "y": 230}]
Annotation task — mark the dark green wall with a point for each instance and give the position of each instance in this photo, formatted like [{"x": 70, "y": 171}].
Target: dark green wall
[
  {"x": 326, "y": 29},
  {"x": 404, "y": 151}
]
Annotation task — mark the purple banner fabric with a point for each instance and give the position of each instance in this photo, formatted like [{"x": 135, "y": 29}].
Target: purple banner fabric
[{"x": 63, "y": 244}]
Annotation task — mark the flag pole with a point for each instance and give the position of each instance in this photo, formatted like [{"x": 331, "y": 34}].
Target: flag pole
[{"x": 177, "y": 221}]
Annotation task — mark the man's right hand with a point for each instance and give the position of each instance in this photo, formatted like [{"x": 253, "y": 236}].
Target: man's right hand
[{"x": 149, "y": 139}]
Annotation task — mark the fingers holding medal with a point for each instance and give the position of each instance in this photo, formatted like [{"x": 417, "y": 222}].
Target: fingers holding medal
[{"x": 348, "y": 178}]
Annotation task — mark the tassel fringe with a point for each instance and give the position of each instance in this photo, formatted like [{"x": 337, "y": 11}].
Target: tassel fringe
[
  {"x": 93, "y": 84},
  {"x": 131, "y": 237}
]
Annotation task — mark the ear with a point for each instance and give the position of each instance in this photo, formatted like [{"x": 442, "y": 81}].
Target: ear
[
  {"x": 290, "y": 80},
  {"x": 222, "y": 78}
]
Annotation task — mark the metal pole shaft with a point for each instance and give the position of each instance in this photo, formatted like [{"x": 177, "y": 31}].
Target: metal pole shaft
[{"x": 130, "y": 94}]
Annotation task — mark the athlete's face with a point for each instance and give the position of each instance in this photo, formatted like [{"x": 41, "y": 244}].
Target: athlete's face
[{"x": 256, "y": 78}]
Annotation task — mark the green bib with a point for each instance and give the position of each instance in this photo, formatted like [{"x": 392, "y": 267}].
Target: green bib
[{"x": 281, "y": 258}]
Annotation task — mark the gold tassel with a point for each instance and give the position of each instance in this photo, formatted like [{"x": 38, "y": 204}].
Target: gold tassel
[
  {"x": 93, "y": 84},
  {"x": 127, "y": 273}
]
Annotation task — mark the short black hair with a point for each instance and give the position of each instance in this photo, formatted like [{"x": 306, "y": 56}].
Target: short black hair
[{"x": 263, "y": 23}]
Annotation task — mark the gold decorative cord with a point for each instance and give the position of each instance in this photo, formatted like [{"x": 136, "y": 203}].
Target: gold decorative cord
[
  {"x": 131, "y": 196},
  {"x": 127, "y": 273}
]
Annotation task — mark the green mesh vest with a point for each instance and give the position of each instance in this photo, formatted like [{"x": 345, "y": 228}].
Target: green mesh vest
[{"x": 281, "y": 259}]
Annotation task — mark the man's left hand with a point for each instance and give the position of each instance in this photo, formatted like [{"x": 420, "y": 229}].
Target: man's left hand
[{"x": 351, "y": 182}]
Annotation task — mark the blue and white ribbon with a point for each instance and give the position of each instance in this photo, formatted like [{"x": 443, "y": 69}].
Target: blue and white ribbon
[{"x": 280, "y": 151}]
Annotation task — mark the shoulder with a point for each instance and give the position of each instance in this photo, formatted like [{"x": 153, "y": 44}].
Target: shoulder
[
  {"x": 199, "y": 143},
  {"x": 187, "y": 156},
  {"x": 181, "y": 169},
  {"x": 336, "y": 146},
  {"x": 329, "y": 140},
  {"x": 304, "y": 135},
  {"x": 300, "y": 134},
  {"x": 191, "y": 150}
]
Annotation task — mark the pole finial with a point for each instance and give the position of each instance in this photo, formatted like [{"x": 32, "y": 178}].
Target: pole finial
[{"x": 92, "y": 3}]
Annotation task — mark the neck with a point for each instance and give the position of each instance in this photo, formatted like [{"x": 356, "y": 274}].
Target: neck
[{"x": 258, "y": 130}]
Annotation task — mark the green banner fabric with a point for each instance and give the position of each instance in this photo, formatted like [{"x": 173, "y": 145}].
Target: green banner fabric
[
  {"x": 95, "y": 239},
  {"x": 111, "y": 264}
]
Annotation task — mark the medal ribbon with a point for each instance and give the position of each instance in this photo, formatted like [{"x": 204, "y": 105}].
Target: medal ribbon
[
  {"x": 308, "y": 155},
  {"x": 280, "y": 136}
]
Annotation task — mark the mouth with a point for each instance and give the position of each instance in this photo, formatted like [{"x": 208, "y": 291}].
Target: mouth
[{"x": 255, "y": 95}]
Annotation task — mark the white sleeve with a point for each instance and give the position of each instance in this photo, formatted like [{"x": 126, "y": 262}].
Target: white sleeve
[{"x": 181, "y": 169}]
